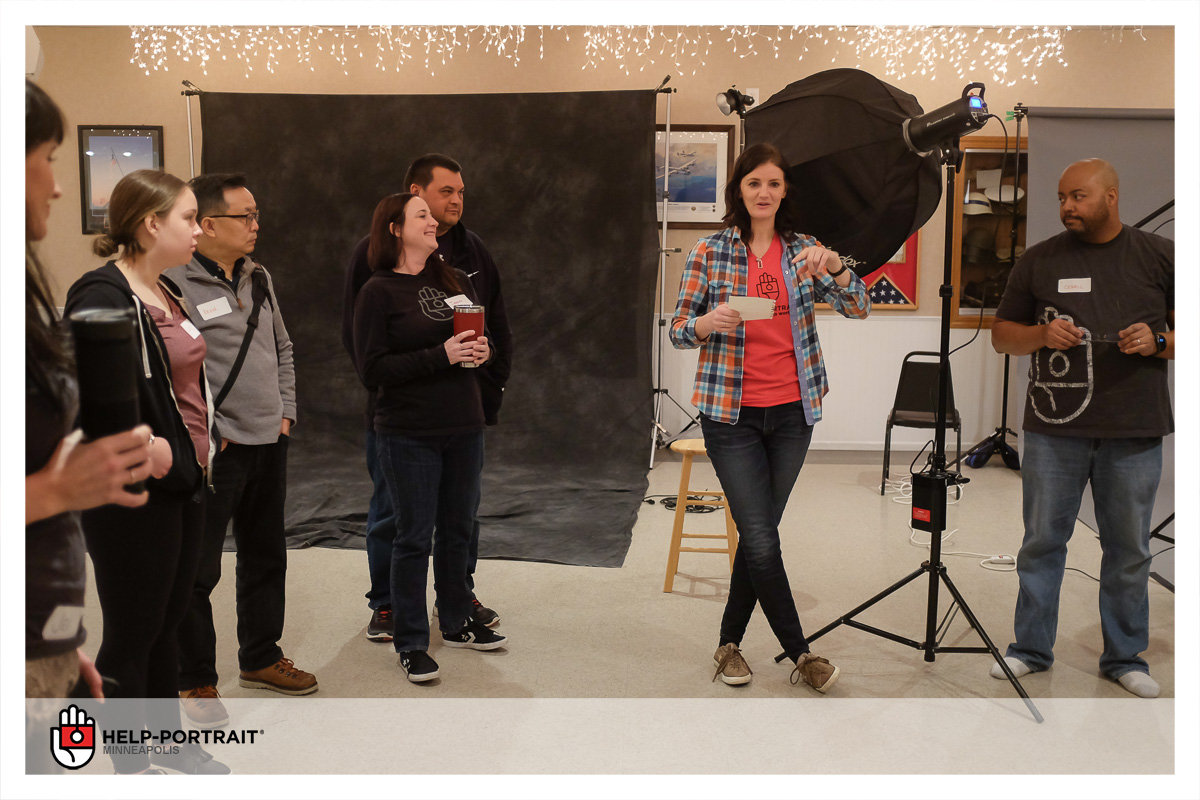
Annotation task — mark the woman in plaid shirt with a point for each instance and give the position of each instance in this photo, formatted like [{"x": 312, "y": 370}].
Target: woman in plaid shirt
[{"x": 759, "y": 387}]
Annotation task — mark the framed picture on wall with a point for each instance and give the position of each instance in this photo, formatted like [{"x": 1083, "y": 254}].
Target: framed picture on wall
[
  {"x": 894, "y": 285},
  {"x": 700, "y": 159},
  {"x": 106, "y": 154}
]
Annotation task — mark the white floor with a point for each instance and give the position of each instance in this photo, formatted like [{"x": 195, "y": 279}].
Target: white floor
[{"x": 606, "y": 673}]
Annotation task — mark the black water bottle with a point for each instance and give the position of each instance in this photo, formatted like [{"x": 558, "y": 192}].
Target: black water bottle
[{"x": 106, "y": 363}]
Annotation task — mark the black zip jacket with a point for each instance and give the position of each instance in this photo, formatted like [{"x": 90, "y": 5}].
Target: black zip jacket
[{"x": 106, "y": 287}]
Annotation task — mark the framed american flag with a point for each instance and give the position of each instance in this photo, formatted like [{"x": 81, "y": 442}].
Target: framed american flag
[{"x": 893, "y": 287}]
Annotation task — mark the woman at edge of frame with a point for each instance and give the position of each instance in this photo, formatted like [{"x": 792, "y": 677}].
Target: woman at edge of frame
[
  {"x": 63, "y": 473},
  {"x": 759, "y": 388}
]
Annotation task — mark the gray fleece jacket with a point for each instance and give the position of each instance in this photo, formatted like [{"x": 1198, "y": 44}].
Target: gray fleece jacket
[{"x": 265, "y": 389}]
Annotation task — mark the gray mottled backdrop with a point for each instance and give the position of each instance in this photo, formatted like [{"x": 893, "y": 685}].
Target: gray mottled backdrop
[{"x": 560, "y": 188}]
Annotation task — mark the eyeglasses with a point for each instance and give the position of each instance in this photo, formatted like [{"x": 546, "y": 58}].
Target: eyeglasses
[{"x": 247, "y": 219}]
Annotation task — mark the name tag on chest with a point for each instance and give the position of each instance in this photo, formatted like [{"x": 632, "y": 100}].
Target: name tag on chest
[
  {"x": 214, "y": 308},
  {"x": 191, "y": 329},
  {"x": 1074, "y": 285}
]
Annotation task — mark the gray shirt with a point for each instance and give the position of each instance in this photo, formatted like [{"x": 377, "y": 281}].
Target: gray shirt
[{"x": 264, "y": 392}]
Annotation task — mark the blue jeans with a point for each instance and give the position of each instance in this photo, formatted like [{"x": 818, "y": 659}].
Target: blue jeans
[
  {"x": 434, "y": 483},
  {"x": 1124, "y": 474},
  {"x": 757, "y": 460},
  {"x": 381, "y": 531}
]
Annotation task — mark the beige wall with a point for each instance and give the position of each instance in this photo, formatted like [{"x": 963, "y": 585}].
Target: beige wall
[{"x": 88, "y": 71}]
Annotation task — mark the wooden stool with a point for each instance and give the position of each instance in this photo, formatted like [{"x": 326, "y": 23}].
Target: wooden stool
[{"x": 690, "y": 448}]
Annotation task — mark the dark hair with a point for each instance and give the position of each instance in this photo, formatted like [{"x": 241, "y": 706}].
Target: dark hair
[
  {"x": 43, "y": 340},
  {"x": 136, "y": 196},
  {"x": 421, "y": 170},
  {"x": 736, "y": 214},
  {"x": 384, "y": 254},
  {"x": 210, "y": 191}
]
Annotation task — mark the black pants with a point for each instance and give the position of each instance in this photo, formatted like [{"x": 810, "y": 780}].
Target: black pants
[
  {"x": 145, "y": 563},
  {"x": 251, "y": 487}
]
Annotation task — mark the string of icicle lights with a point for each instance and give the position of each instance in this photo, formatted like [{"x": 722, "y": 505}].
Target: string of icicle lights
[{"x": 1007, "y": 54}]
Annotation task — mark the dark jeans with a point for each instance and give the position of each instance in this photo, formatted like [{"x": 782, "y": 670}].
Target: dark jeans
[
  {"x": 251, "y": 487},
  {"x": 757, "y": 460},
  {"x": 145, "y": 565},
  {"x": 434, "y": 483},
  {"x": 381, "y": 531}
]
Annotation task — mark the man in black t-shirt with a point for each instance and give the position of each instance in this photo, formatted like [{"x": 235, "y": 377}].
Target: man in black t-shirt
[{"x": 1094, "y": 308}]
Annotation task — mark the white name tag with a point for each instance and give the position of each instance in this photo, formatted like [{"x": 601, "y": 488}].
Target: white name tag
[
  {"x": 1069, "y": 285},
  {"x": 214, "y": 308},
  {"x": 458, "y": 300},
  {"x": 63, "y": 623},
  {"x": 191, "y": 329}
]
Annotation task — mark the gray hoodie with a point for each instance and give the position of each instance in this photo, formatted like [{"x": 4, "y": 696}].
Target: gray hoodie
[{"x": 265, "y": 389}]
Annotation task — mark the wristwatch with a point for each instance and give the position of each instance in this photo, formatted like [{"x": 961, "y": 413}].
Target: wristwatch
[{"x": 1160, "y": 342}]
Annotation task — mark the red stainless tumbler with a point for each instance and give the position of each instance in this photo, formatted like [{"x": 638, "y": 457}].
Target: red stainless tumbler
[{"x": 468, "y": 318}]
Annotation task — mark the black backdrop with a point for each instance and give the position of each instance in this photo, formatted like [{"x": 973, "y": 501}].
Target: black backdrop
[{"x": 560, "y": 189}]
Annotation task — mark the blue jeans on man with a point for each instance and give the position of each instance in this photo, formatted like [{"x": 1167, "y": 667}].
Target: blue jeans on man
[
  {"x": 757, "y": 460},
  {"x": 433, "y": 482},
  {"x": 381, "y": 532},
  {"x": 1124, "y": 474}
]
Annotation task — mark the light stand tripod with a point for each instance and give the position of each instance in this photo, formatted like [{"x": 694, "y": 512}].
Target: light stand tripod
[
  {"x": 929, "y": 496},
  {"x": 659, "y": 436}
]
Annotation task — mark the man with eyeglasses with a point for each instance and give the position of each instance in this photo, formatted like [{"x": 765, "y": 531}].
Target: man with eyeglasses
[
  {"x": 437, "y": 179},
  {"x": 253, "y": 390}
]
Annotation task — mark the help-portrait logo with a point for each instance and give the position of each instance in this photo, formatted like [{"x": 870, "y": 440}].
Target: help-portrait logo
[{"x": 73, "y": 742}]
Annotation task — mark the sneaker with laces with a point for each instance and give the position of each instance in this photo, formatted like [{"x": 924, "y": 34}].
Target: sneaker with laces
[
  {"x": 817, "y": 672},
  {"x": 203, "y": 707},
  {"x": 381, "y": 626},
  {"x": 283, "y": 676},
  {"x": 484, "y": 615},
  {"x": 731, "y": 667},
  {"x": 418, "y": 666},
  {"x": 475, "y": 637}
]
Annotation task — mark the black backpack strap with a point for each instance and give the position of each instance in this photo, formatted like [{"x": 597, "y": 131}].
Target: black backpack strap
[{"x": 258, "y": 294}]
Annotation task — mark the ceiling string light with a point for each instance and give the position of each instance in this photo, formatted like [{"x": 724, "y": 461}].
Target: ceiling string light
[{"x": 1007, "y": 54}]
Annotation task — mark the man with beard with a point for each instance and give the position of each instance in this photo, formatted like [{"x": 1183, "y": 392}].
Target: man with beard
[{"x": 1094, "y": 307}]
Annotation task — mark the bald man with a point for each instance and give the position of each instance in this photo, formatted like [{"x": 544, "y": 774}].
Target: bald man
[{"x": 1094, "y": 307}]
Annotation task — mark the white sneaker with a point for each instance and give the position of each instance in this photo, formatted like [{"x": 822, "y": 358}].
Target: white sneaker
[
  {"x": 1139, "y": 683},
  {"x": 1019, "y": 668}
]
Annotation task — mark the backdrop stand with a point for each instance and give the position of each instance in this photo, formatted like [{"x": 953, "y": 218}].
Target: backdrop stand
[
  {"x": 930, "y": 486},
  {"x": 659, "y": 435},
  {"x": 189, "y": 90},
  {"x": 978, "y": 455}
]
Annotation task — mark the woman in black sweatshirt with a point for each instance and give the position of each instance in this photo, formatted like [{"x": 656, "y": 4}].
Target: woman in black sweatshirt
[
  {"x": 429, "y": 422},
  {"x": 145, "y": 558}
]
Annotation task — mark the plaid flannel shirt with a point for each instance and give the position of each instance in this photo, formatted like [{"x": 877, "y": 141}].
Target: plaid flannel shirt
[{"x": 716, "y": 270}]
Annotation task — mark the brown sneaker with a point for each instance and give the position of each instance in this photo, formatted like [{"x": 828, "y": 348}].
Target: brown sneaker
[
  {"x": 732, "y": 668},
  {"x": 203, "y": 707},
  {"x": 816, "y": 671},
  {"x": 282, "y": 677}
]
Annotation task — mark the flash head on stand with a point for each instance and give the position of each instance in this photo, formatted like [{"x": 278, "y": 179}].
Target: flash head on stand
[{"x": 939, "y": 127}]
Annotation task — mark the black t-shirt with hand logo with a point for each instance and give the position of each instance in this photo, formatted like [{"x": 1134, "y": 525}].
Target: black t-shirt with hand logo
[
  {"x": 1093, "y": 389},
  {"x": 401, "y": 324}
]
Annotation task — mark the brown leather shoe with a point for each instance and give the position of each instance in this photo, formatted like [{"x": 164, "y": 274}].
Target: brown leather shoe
[
  {"x": 203, "y": 707},
  {"x": 282, "y": 677},
  {"x": 817, "y": 672}
]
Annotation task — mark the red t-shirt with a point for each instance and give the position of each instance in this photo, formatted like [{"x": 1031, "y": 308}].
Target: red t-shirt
[
  {"x": 186, "y": 354},
  {"x": 769, "y": 367}
]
